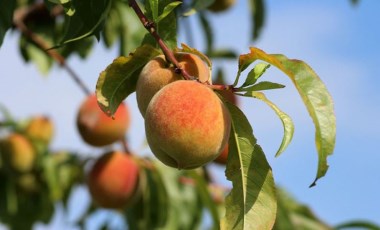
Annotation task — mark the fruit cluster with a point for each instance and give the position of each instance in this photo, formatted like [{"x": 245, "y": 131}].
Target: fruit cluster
[{"x": 186, "y": 123}]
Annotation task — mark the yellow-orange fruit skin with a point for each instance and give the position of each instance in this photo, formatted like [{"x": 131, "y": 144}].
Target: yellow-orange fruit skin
[
  {"x": 113, "y": 180},
  {"x": 18, "y": 152},
  {"x": 98, "y": 129},
  {"x": 41, "y": 129},
  {"x": 157, "y": 73},
  {"x": 222, "y": 158},
  {"x": 221, "y": 5},
  {"x": 186, "y": 125}
]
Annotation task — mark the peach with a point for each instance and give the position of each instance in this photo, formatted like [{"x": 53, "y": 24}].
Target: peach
[
  {"x": 113, "y": 180},
  {"x": 186, "y": 125},
  {"x": 18, "y": 152},
  {"x": 98, "y": 129},
  {"x": 40, "y": 129},
  {"x": 158, "y": 72},
  {"x": 221, "y": 5},
  {"x": 222, "y": 158}
]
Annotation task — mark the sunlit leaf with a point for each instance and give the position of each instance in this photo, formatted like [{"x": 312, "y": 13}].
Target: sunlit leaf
[
  {"x": 198, "y": 5},
  {"x": 167, "y": 10},
  {"x": 285, "y": 119},
  {"x": 264, "y": 85},
  {"x": 166, "y": 28},
  {"x": 255, "y": 74},
  {"x": 358, "y": 224},
  {"x": 314, "y": 95},
  {"x": 119, "y": 79},
  {"x": 251, "y": 203},
  {"x": 154, "y": 8}
]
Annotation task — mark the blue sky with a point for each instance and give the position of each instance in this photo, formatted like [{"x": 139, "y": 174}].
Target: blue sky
[{"x": 338, "y": 40}]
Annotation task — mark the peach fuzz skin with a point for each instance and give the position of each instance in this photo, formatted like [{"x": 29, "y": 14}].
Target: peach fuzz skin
[
  {"x": 187, "y": 125},
  {"x": 98, "y": 129},
  {"x": 113, "y": 180},
  {"x": 19, "y": 152},
  {"x": 157, "y": 73}
]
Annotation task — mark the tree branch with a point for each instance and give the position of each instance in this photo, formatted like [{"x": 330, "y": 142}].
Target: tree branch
[
  {"x": 151, "y": 28},
  {"x": 19, "y": 19}
]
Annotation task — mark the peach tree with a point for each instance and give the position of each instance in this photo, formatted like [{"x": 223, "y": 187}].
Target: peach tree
[{"x": 190, "y": 113}]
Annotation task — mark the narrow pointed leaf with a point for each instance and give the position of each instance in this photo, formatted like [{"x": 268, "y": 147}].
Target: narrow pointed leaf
[
  {"x": 166, "y": 28},
  {"x": 154, "y": 8},
  {"x": 314, "y": 95},
  {"x": 167, "y": 10},
  {"x": 119, "y": 79},
  {"x": 264, "y": 85},
  {"x": 285, "y": 119},
  {"x": 207, "y": 31},
  {"x": 258, "y": 17},
  {"x": 358, "y": 224},
  {"x": 205, "y": 196},
  {"x": 255, "y": 74},
  {"x": 251, "y": 203}
]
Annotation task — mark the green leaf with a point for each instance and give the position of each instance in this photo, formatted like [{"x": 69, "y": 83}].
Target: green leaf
[
  {"x": 255, "y": 74},
  {"x": 205, "y": 196},
  {"x": 166, "y": 28},
  {"x": 314, "y": 95},
  {"x": 87, "y": 20},
  {"x": 362, "y": 224},
  {"x": 222, "y": 53},
  {"x": 285, "y": 119},
  {"x": 197, "y": 6},
  {"x": 167, "y": 10},
  {"x": 251, "y": 203},
  {"x": 264, "y": 85},
  {"x": 294, "y": 215},
  {"x": 6, "y": 17},
  {"x": 154, "y": 8},
  {"x": 258, "y": 17},
  {"x": 144, "y": 213},
  {"x": 207, "y": 31},
  {"x": 180, "y": 195},
  {"x": 119, "y": 79}
]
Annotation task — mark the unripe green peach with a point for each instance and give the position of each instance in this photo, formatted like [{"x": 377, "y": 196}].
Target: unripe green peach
[
  {"x": 98, "y": 129},
  {"x": 113, "y": 180},
  {"x": 158, "y": 72},
  {"x": 40, "y": 129},
  {"x": 18, "y": 152},
  {"x": 221, "y": 5},
  {"x": 186, "y": 124}
]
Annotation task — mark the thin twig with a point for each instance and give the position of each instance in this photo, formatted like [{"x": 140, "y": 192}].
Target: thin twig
[
  {"x": 19, "y": 22},
  {"x": 150, "y": 26}
]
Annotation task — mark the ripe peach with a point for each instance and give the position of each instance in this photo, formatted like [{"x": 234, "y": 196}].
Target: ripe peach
[
  {"x": 18, "y": 152},
  {"x": 40, "y": 129},
  {"x": 113, "y": 180},
  {"x": 157, "y": 73},
  {"x": 222, "y": 158},
  {"x": 221, "y": 5},
  {"x": 186, "y": 124},
  {"x": 96, "y": 128}
]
